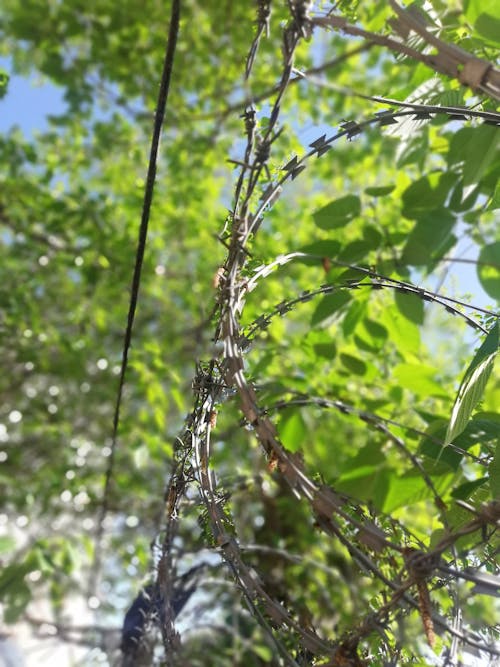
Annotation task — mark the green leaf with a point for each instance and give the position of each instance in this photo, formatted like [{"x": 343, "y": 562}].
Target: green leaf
[
  {"x": 481, "y": 153},
  {"x": 292, "y": 429},
  {"x": 353, "y": 364},
  {"x": 325, "y": 350},
  {"x": 329, "y": 305},
  {"x": 484, "y": 16},
  {"x": 365, "y": 475},
  {"x": 14, "y": 592},
  {"x": 410, "y": 305},
  {"x": 338, "y": 212},
  {"x": 376, "y": 330},
  {"x": 473, "y": 385},
  {"x": 474, "y": 149},
  {"x": 420, "y": 379},
  {"x": 372, "y": 236},
  {"x": 356, "y": 251},
  {"x": 326, "y": 248},
  {"x": 369, "y": 335},
  {"x": 429, "y": 236},
  {"x": 380, "y": 191},
  {"x": 465, "y": 490},
  {"x": 432, "y": 446},
  {"x": 4, "y": 83},
  {"x": 460, "y": 203},
  {"x": 422, "y": 196},
  {"x": 481, "y": 430},
  {"x": 495, "y": 199},
  {"x": 488, "y": 269},
  {"x": 404, "y": 334},
  {"x": 405, "y": 490},
  {"x": 356, "y": 311},
  {"x": 263, "y": 651}
]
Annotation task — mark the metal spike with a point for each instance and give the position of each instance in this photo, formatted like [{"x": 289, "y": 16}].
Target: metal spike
[
  {"x": 318, "y": 143},
  {"x": 387, "y": 118},
  {"x": 324, "y": 149},
  {"x": 297, "y": 171},
  {"x": 351, "y": 127},
  {"x": 291, "y": 164}
]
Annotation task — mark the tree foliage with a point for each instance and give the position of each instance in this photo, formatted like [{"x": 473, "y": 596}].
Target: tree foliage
[{"x": 326, "y": 186}]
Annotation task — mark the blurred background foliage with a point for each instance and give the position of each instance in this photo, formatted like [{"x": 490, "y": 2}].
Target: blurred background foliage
[{"x": 414, "y": 198}]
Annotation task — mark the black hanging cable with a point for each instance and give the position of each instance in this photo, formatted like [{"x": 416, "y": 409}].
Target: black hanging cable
[{"x": 139, "y": 257}]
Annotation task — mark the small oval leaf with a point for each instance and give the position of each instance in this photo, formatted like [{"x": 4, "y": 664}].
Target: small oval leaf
[
  {"x": 338, "y": 212},
  {"x": 380, "y": 191}
]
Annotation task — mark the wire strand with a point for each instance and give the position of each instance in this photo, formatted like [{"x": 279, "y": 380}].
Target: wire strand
[{"x": 136, "y": 278}]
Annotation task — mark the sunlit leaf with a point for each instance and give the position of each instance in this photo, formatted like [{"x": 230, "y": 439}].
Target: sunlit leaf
[
  {"x": 473, "y": 385},
  {"x": 488, "y": 269},
  {"x": 292, "y": 429},
  {"x": 410, "y": 305}
]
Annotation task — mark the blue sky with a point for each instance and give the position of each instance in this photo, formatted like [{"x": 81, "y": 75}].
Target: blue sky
[{"x": 28, "y": 102}]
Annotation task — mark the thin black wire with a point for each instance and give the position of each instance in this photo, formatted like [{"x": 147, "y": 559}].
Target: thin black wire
[{"x": 139, "y": 257}]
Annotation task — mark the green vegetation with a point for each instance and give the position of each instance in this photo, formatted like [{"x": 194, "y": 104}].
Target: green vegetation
[{"x": 304, "y": 301}]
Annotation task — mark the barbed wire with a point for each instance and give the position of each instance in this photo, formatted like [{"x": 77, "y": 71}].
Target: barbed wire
[{"x": 365, "y": 537}]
